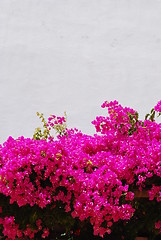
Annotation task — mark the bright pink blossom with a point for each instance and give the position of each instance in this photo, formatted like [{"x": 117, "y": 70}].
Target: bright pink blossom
[
  {"x": 158, "y": 107},
  {"x": 91, "y": 175}
]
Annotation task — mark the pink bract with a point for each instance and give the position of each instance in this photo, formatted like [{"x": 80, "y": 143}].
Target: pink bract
[{"x": 96, "y": 171}]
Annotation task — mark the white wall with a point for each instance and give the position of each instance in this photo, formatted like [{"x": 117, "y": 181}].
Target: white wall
[{"x": 71, "y": 55}]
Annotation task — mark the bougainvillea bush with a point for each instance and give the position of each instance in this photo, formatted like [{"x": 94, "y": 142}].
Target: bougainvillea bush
[{"x": 77, "y": 180}]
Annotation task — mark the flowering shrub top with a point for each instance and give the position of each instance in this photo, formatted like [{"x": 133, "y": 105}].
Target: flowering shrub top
[{"x": 94, "y": 177}]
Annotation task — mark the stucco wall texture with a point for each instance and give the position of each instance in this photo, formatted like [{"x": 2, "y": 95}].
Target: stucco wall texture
[{"x": 72, "y": 55}]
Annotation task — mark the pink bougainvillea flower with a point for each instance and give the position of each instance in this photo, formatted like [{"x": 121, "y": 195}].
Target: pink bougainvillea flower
[
  {"x": 157, "y": 108},
  {"x": 92, "y": 176}
]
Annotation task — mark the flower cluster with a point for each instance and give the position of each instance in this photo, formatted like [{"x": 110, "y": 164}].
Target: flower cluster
[
  {"x": 158, "y": 107},
  {"x": 93, "y": 177},
  {"x": 158, "y": 226}
]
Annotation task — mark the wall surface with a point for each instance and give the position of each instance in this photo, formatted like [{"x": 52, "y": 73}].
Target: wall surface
[{"x": 71, "y": 55}]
